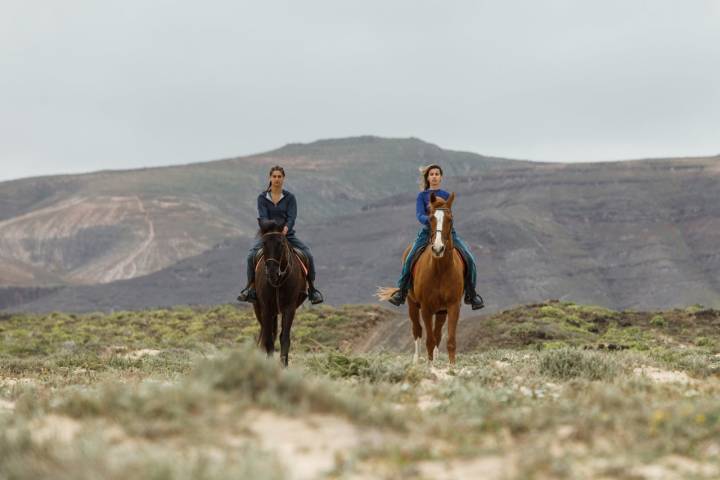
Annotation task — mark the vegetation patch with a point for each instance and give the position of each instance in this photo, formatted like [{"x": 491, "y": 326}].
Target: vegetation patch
[
  {"x": 171, "y": 394},
  {"x": 567, "y": 363}
]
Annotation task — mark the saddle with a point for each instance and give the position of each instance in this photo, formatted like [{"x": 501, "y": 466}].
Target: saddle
[{"x": 298, "y": 253}]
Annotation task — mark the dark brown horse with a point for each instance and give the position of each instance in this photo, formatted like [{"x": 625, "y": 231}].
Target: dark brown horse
[
  {"x": 437, "y": 285},
  {"x": 281, "y": 288}
]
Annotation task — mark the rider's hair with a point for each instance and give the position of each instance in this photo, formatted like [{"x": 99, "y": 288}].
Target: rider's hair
[
  {"x": 276, "y": 168},
  {"x": 425, "y": 172}
]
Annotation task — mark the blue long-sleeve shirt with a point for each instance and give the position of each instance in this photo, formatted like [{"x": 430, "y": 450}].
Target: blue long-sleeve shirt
[
  {"x": 422, "y": 205},
  {"x": 284, "y": 212}
]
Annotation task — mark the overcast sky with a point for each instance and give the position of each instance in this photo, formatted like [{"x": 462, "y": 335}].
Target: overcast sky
[{"x": 88, "y": 85}]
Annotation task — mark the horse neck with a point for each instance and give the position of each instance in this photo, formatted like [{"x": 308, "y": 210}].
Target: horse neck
[
  {"x": 284, "y": 247},
  {"x": 445, "y": 262}
]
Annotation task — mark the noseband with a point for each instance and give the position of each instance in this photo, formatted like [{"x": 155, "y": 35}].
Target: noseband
[{"x": 288, "y": 263}]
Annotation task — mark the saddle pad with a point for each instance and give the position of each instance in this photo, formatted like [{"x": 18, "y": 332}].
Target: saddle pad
[{"x": 261, "y": 255}]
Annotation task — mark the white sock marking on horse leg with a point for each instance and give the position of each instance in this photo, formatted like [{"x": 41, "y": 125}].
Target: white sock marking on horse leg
[
  {"x": 436, "y": 352},
  {"x": 417, "y": 350}
]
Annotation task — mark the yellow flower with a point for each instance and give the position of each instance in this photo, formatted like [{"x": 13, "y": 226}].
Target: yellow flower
[{"x": 659, "y": 417}]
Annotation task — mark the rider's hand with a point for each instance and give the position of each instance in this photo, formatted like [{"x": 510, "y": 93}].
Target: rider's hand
[{"x": 285, "y": 230}]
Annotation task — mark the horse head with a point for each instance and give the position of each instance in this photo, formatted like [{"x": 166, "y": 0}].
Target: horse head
[
  {"x": 275, "y": 250},
  {"x": 441, "y": 221}
]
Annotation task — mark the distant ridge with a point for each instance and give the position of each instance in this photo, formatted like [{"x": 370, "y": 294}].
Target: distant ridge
[
  {"x": 111, "y": 225},
  {"x": 640, "y": 235}
]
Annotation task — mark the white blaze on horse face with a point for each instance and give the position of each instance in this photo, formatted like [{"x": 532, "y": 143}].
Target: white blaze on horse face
[{"x": 438, "y": 243}]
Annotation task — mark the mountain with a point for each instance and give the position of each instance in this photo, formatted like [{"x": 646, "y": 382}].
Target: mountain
[
  {"x": 639, "y": 234},
  {"x": 113, "y": 225}
]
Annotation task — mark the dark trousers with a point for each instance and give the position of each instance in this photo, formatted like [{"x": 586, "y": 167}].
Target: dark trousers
[{"x": 295, "y": 242}]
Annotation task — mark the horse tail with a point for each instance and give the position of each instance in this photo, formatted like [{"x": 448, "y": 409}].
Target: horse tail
[{"x": 384, "y": 293}]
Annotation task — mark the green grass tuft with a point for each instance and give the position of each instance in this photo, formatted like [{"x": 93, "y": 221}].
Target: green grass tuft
[{"x": 568, "y": 363}]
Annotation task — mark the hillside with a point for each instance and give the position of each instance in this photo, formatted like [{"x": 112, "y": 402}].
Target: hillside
[
  {"x": 113, "y": 225},
  {"x": 639, "y": 234}
]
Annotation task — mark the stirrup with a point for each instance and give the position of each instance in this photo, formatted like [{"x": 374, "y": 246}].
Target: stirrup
[
  {"x": 475, "y": 300},
  {"x": 247, "y": 295},
  {"x": 398, "y": 298},
  {"x": 315, "y": 296}
]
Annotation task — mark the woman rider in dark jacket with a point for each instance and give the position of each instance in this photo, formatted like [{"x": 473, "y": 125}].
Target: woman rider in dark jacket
[
  {"x": 280, "y": 205},
  {"x": 431, "y": 179}
]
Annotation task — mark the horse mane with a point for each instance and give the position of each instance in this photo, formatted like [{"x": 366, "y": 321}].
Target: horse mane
[{"x": 438, "y": 203}]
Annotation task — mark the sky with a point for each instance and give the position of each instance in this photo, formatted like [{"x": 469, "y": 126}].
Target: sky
[{"x": 89, "y": 85}]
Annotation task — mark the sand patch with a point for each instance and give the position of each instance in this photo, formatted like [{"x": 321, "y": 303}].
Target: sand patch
[
  {"x": 310, "y": 446},
  {"x": 11, "y": 382},
  {"x": 487, "y": 468},
  {"x": 145, "y": 352},
  {"x": 54, "y": 428},
  {"x": 676, "y": 467},
  {"x": 663, "y": 376},
  {"x": 427, "y": 402},
  {"x": 442, "y": 374}
]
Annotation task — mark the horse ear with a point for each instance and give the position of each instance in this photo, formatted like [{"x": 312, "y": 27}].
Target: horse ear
[
  {"x": 433, "y": 197},
  {"x": 264, "y": 224},
  {"x": 450, "y": 200}
]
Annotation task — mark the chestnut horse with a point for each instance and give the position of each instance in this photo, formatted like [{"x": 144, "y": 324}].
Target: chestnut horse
[
  {"x": 280, "y": 285},
  {"x": 437, "y": 286}
]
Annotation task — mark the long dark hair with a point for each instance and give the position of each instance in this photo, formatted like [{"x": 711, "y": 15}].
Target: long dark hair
[
  {"x": 276, "y": 168},
  {"x": 425, "y": 172}
]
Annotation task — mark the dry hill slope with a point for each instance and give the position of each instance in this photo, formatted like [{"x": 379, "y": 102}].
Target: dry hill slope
[
  {"x": 623, "y": 235},
  {"x": 113, "y": 225}
]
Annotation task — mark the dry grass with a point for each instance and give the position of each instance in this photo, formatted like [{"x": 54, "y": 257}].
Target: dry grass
[{"x": 202, "y": 406}]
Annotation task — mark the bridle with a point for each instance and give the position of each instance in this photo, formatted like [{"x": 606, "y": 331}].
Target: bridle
[{"x": 288, "y": 263}]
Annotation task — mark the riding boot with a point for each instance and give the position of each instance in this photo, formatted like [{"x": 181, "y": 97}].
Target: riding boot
[
  {"x": 473, "y": 299},
  {"x": 471, "y": 296},
  {"x": 398, "y": 298},
  {"x": 248, "y": 294},
  {"x": 314, "y": 294}
]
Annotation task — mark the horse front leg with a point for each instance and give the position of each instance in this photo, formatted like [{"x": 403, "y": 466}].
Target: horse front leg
[
  {"x": 453, "y": 318},
  {"x": 258, "y": 317},
  {"x": 414, "y": 312},
  {"x": 427, "y": 317},
  {"x": 269, "y": 325},
  {"x": 287, "y": 320},
  {"x": 437, "y": 331}
]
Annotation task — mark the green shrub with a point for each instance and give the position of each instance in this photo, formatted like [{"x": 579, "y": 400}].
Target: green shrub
[
  {"x": 567, "y": 363},
  {"x": 373, "y": 369},
  {"x": 658, "y": 321}
]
